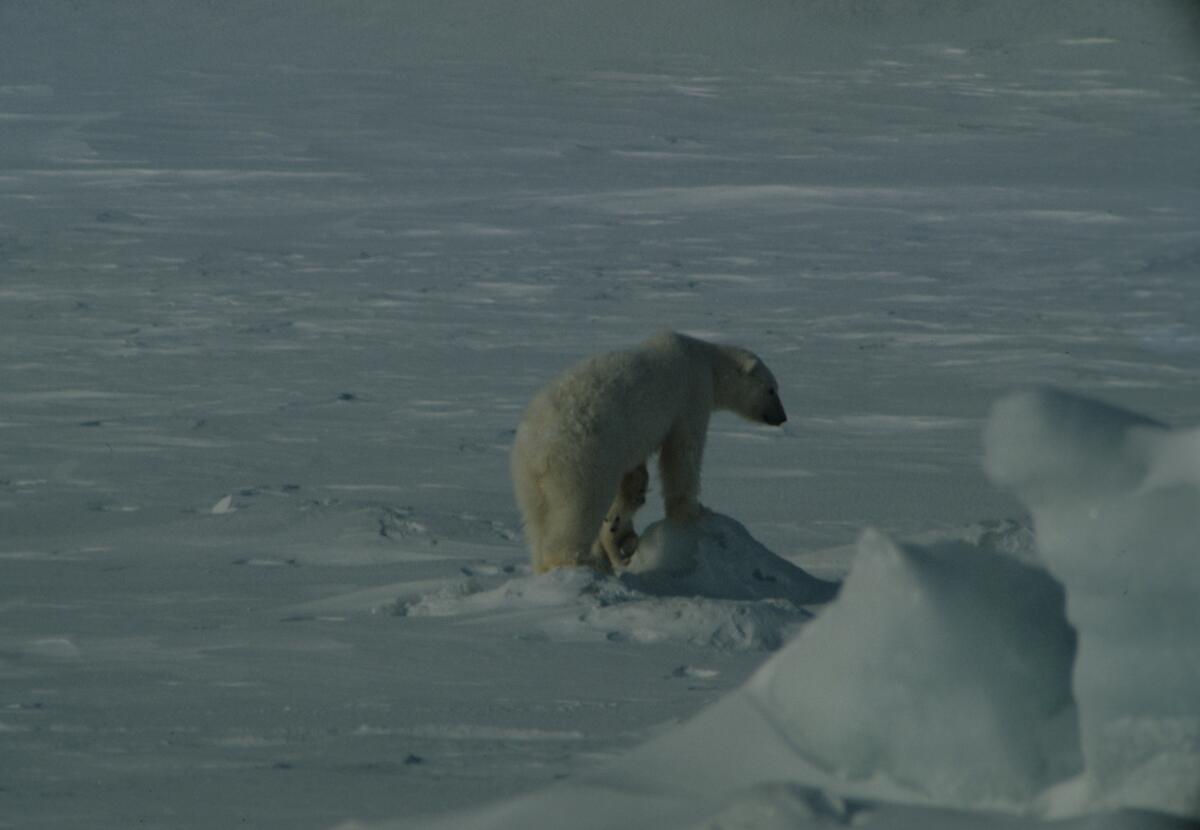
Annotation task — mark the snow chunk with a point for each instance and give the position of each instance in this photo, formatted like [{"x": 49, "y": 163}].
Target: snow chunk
[
  {"x": 717, "y": 557},
  {"x": 1052, "y": 446},
  {"x": 1115, "y": 499},
  {"x": 223, "y": 506},
  {"x": 944, "y": 669}
]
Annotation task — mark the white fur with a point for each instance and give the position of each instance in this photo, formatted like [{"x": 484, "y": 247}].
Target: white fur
[{"x": 587, "y": 429}]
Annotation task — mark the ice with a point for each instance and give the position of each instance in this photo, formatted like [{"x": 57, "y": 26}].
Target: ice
[
  {"x": 944, "y": 669},
  {"x": 1115, "y": 498}
]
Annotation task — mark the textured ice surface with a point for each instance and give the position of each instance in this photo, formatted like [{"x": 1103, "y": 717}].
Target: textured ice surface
[{"x": 1115, "y": 499}]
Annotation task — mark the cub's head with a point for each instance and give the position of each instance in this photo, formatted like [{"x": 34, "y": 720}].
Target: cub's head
[{"x": 746, "y": 386}]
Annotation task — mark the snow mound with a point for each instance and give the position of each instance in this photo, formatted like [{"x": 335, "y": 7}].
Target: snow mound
[
  {"x": 716, "y": 557},
  {"x": 707, "y": 583},
  {"x": 572, "y": 604},
  {"x": 1115, "y": 499},
  {"x": 945, "y": 669}
]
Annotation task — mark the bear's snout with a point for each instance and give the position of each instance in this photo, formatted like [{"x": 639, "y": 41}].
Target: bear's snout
[{"x": 775, "y": 416}]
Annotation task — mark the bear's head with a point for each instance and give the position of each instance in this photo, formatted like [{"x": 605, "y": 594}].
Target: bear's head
[{"x": 747, "y": 387}]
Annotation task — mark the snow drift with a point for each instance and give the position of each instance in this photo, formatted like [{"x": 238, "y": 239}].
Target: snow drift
[
  {"x": 947, "y": 674},
  {"x": 1115, "y": 499},
  {"x": 944, "y": 669}
]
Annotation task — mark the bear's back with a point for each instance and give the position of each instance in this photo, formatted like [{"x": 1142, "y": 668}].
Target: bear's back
[{"x": 632, "y": 392}]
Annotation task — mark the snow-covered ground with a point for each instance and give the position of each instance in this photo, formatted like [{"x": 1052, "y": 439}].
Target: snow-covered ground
[{"x": 277, "y": 278}]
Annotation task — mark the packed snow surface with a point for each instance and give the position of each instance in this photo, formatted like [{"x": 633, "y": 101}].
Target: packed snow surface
[{"x": 277, "y": 278}]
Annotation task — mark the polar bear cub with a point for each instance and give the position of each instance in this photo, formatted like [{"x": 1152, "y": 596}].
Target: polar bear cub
[{"x": 585, "y": 435}]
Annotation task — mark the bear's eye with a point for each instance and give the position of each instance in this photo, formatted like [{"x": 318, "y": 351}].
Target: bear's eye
[{"x": 771, "y": 391}]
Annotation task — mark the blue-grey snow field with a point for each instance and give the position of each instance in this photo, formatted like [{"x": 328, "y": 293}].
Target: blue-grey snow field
[{"x": 278, "y": 278}]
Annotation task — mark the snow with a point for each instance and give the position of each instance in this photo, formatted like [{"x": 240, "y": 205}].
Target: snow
[
  {"x": 946, "y": 674},
  {"x": 943, "y": 669},
  {"x": 582, "y": 607},
  {"x": 277, "y": 279},
  {"x": 716, "y": 556},
  {"x": 1114, "y": 498},
  {"x": 709, "y": 584}
]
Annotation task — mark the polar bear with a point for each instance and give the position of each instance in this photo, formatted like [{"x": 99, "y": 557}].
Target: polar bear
[{"x": 594, "y": 426}]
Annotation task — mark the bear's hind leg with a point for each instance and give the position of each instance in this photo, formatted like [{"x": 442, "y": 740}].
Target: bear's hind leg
[{"x": 568, "y": 532}]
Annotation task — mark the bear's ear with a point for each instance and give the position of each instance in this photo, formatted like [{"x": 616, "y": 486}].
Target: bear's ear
[{"x": 748, "y": 364}]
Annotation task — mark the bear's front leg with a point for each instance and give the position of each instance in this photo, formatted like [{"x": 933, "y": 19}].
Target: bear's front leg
[
  {"x": 679, "y": 463},
  {"x": 618, "y": 540},
  {"x": 607, "y": 549}
]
